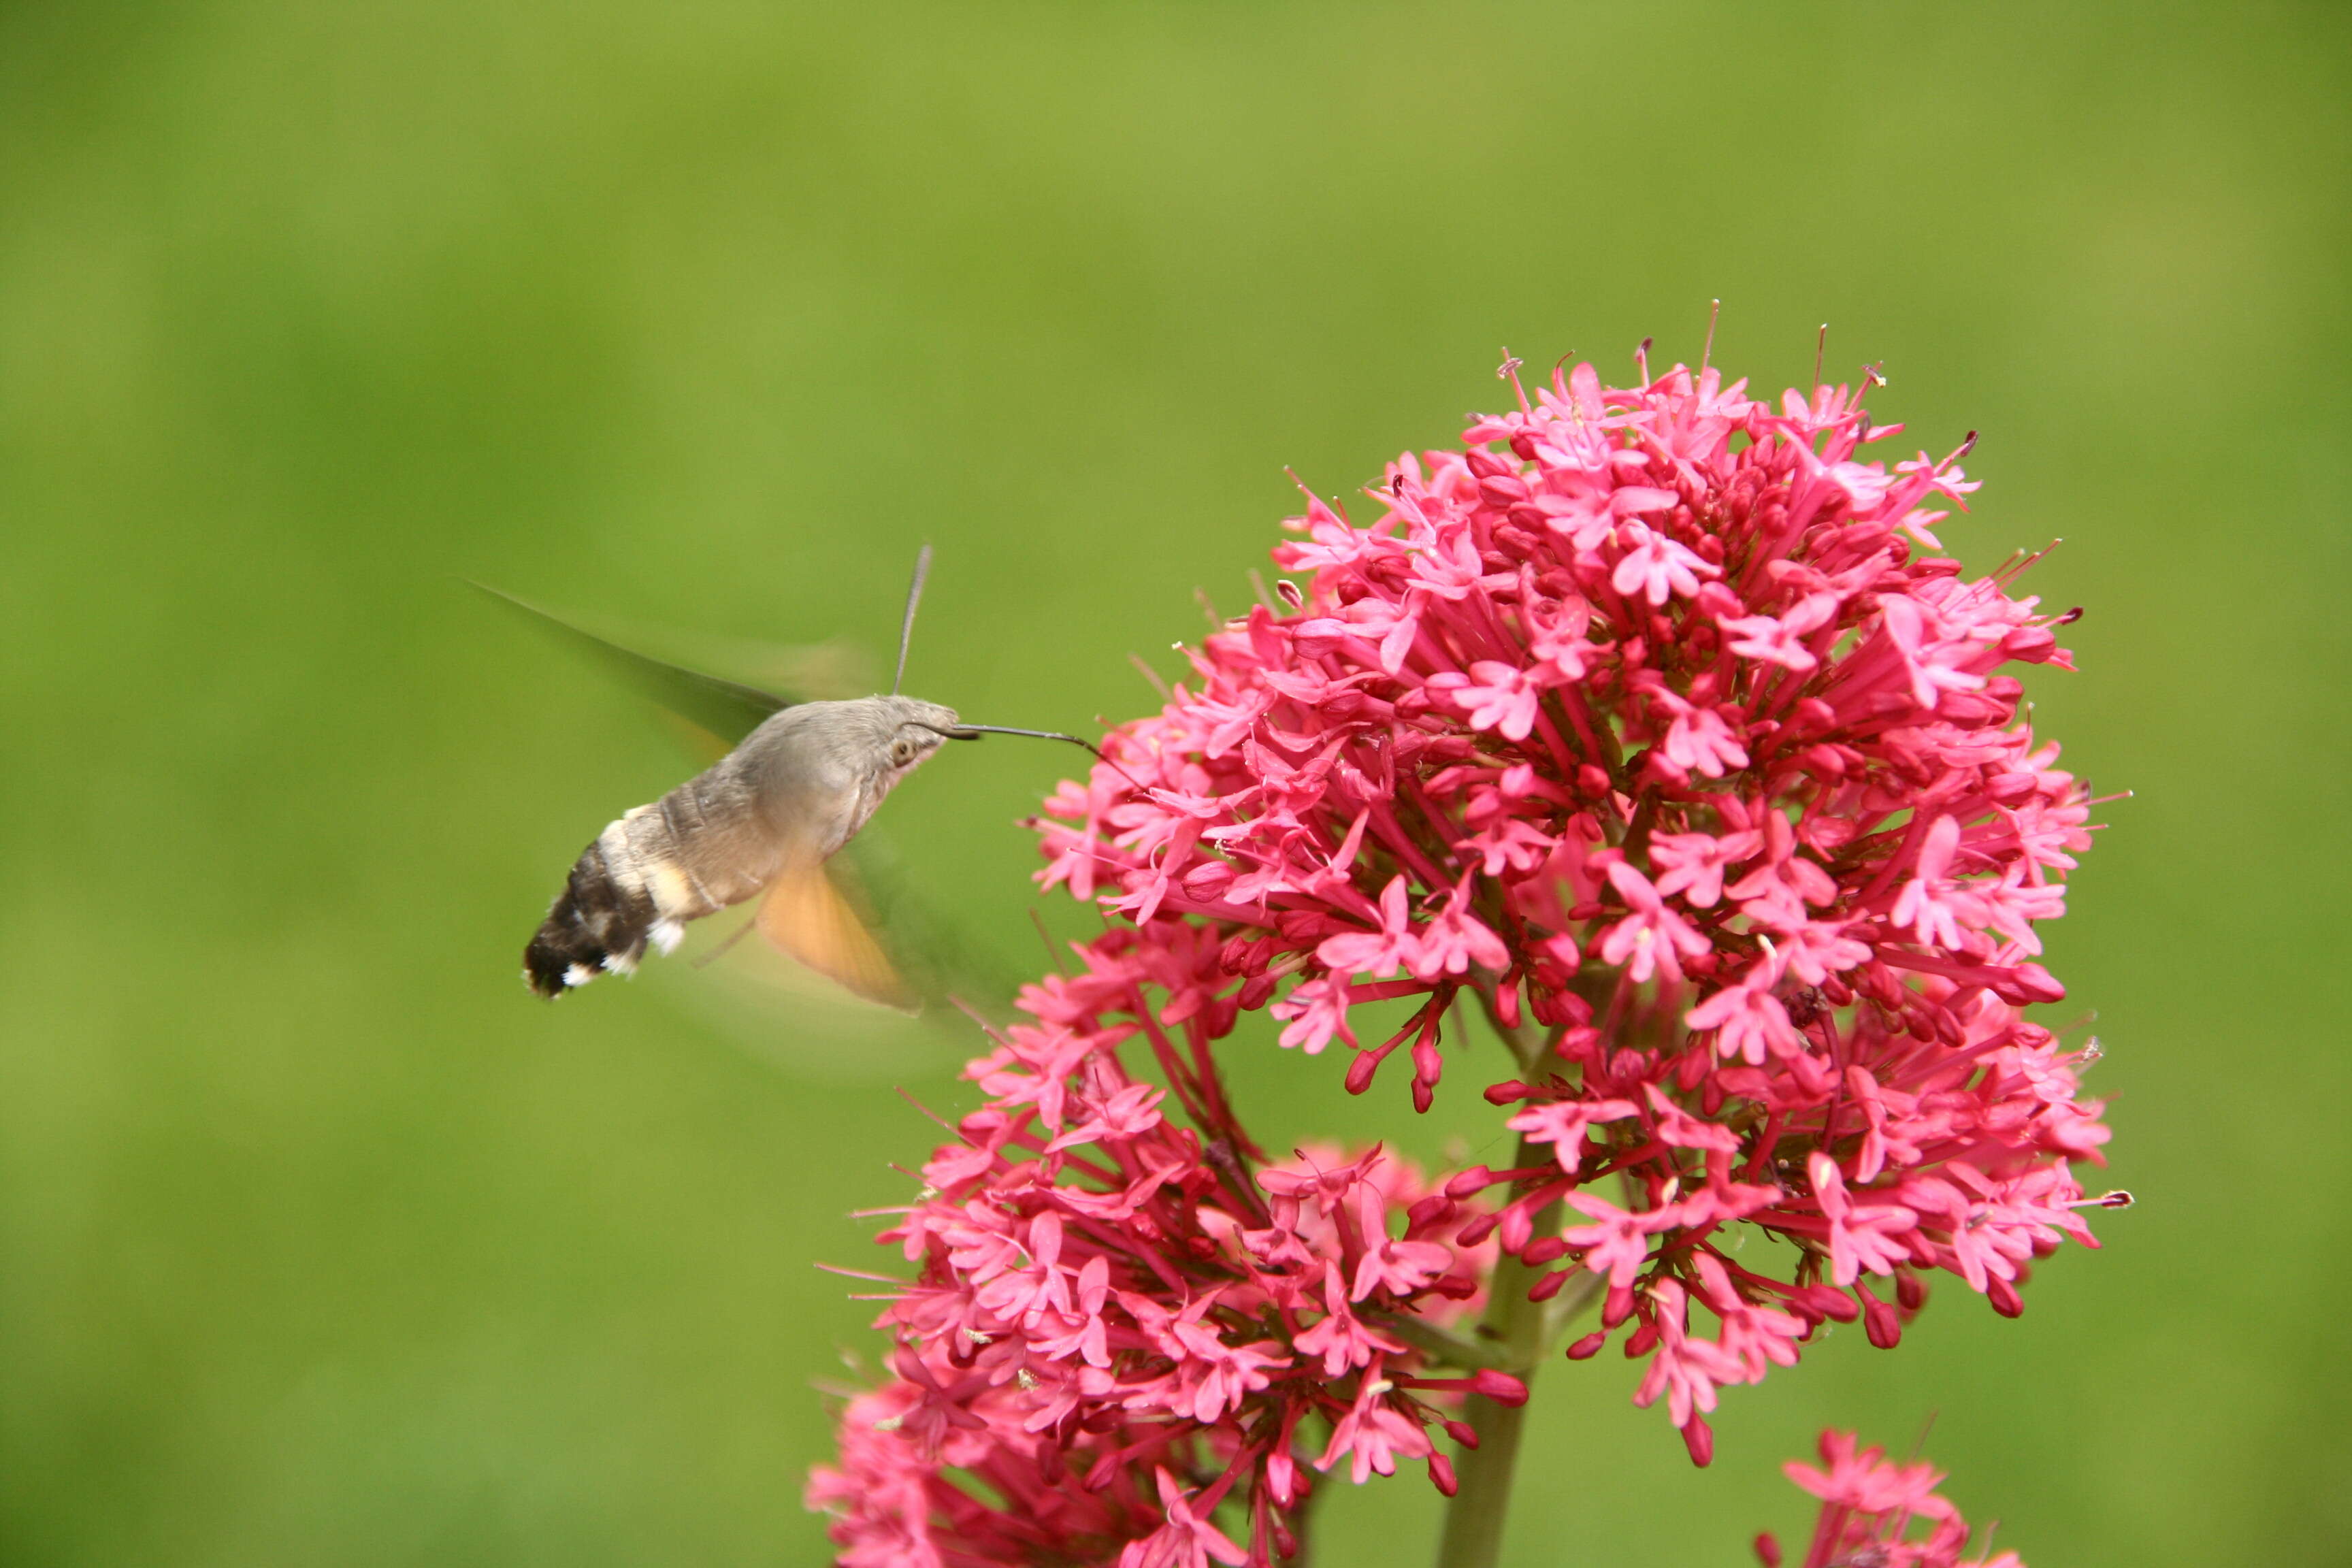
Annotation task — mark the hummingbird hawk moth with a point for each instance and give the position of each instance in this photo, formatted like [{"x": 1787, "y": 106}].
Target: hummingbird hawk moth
[{"x": 800, "y": 780}]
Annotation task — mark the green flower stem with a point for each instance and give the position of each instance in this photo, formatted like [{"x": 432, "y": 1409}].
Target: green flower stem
[
  {"x": 1516, "y": 1328},
  {"x": 1516, "y": 1337},
  {"x": 1444, "y": 1349}
]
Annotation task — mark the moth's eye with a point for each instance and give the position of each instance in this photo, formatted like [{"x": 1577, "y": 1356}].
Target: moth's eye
[{"x": 902, "y": 752}]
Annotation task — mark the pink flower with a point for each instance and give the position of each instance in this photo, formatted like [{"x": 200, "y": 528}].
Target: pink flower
[
  {"x": 1654, "y": 566},
  {"x": 1564, "y": 1122},
  {"x": 1385, "y": 951},
  {"x": 1878, "y": 1512},
  {"x": 1746, "y": 1019},
  {"x": 1695, "y": 863},
  {"x": 1497, "y": 696},
  {"x": 1130, "y": 1113},
  {"x": 1341, "y": 1338},
  {"x": 1781, "y": 640},
  {"x": 1456, "y": 940},
  {"x": 1650, "y": 939},
  {"x": 1682, "y": 1369},
  {"x": 1373, "y": 1434},
  {"x": 1935, "y": 664},
  {"x": 1397, "y": 1268},
  {"x": 1672, "y": 1125},
  {"x": 1618, "y": 1244},
  {"x": 1316, "y": 1013},
  {"x": 1932, "y": 905},
  {"x": 1862, "y": 1235},
  {"x": 1754, "y": 1335},
  {"x": 1187, "y": 1541},
  {"x": 1699, "y": 740}
]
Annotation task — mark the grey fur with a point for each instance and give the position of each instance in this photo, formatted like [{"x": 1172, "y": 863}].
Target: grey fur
[{"x": 799, "y": 786}]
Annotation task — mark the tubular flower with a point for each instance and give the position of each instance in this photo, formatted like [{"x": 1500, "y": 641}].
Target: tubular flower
[
  {"x": 1870, "y": 1507},
  {"x": 1651, "y": 721}
]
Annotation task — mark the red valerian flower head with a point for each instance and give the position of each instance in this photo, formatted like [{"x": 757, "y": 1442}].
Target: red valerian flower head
[
  {"x": 1650, "y": 721},
  {"x": 1877, "y": 1514}
]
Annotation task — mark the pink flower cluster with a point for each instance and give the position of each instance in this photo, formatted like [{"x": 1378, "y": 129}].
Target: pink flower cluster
[
  {"x": 1119, "y": 1326},
  {"x": 1869, "y": 1507},
  {"x": 1649, "y": 721}
]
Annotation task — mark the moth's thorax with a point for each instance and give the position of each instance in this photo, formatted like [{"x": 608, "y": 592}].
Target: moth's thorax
[
  {"x": 818, "y": 770},
  {"x": 856, "y": 736}
]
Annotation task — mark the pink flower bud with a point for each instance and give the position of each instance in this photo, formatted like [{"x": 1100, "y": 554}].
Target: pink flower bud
[
  {"x": 1880, "y": 1322},
  {"x": 1827, "y": 1300},
  {"x": 1435, "y": 1209},
  {"x": 1617, "y": 1306},
  {"x": 1281, "y": 1476},
  {"x": 1501, "y": 1386},
  {"x": 1472, "y": 1182},
  {"x": 1699, "y": 1438}
]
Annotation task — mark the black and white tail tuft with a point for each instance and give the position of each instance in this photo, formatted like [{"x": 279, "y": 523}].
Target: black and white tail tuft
[{"x": 597, "y": 926}]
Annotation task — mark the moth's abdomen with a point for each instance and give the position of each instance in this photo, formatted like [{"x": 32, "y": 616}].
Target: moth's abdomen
[{"x": 633, "y": 888}]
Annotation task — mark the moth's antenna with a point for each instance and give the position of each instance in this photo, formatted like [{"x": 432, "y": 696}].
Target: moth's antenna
[{"x": 906, "y": 626}]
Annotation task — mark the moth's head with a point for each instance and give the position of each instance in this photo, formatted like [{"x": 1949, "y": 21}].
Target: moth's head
[{"x": 914, "y": 731}]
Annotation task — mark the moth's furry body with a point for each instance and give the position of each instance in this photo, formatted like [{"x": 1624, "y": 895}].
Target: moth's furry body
[{"x": 766, "y": 816}]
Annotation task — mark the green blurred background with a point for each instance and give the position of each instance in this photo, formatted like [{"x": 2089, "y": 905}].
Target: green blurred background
[{"x": 321, "y": 1242}]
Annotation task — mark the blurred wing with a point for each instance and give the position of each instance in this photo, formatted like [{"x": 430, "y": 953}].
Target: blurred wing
[
  {"x": 939, "y": 955},
  {"x": 805, "y": 915},
  {"x": 723, "y": 709}
]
